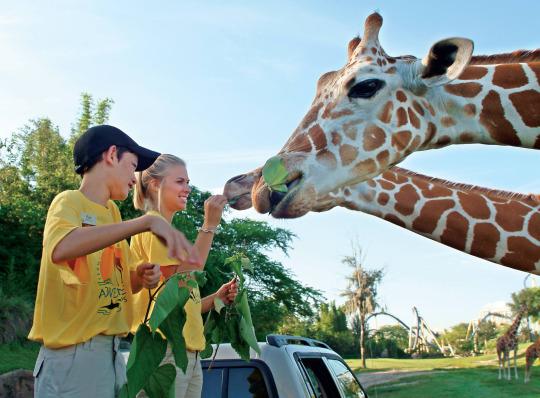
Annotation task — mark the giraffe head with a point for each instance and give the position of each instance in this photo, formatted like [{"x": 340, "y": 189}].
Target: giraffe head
[{"x": 366, "y": 117}]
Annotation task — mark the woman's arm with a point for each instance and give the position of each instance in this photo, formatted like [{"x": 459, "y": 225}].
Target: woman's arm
[
  {"x": 227, "y": 293},
  {"x": 213, "y": 210}
]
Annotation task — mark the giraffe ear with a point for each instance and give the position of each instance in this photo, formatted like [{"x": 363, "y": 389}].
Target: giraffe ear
[{"x": 446, "y": 60}]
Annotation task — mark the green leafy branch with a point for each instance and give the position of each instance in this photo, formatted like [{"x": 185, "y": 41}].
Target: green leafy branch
[
  {"x": 149, "y": 348},
  {"x": 232, "y": 322}
]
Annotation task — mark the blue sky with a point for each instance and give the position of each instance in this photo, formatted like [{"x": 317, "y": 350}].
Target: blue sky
[{"x": 223, "y": 84}]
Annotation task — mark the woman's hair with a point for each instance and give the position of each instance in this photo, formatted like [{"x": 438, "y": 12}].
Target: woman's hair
[{"x": 142, "y": 199}]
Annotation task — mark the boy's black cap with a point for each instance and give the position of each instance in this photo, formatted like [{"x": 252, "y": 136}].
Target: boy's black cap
[{"x": 98, "y": 139}]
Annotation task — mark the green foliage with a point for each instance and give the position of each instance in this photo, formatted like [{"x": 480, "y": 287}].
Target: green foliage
[
  {"x": 18, "y": 355},
  {"x": 275, "y": 174},
  {"x": 172, "y": 328},
  {"x": 147, "y": 352},
  {"x": 161, "y": 383},
  {"x": 456, "y": 337},
  {"x": 389, "y": 341},
  {"x": 530, "y": 297},
  {"x": 329, "y": 326},
  {"x": 168, "y": 299},
  {"x": 361, "y": 292},
  {"x": 233, "y": 324}
]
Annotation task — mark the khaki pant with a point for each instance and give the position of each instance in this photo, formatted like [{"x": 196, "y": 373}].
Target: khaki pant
[
  {"x": 90, "y": 369},
  {"x": 186, "y": 385}
]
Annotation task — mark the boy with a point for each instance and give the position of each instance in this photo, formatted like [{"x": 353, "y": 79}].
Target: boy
[{"x": 83, "y": 301}]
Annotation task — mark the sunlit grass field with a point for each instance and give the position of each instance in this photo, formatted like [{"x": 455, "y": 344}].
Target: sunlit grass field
[{"x": 451, "y": 377}]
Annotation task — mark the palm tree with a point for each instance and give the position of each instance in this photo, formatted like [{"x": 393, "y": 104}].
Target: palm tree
[{"x": 361, "y": 292}]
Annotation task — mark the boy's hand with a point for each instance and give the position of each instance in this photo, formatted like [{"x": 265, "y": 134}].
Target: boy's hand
[
  {"x": 150, "y": 274},
  {"x": 228, "y": 292},
  {"x": 213, "y": 210},
  {"x": 179, "y": 247}
]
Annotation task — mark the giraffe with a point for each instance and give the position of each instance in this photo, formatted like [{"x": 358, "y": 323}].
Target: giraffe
[
  {"x": 376, "y": 110},
  {"x": 508, "y": 342},
  {"x": 532, "y": 352},
  {"x": 498, "y": 226}
]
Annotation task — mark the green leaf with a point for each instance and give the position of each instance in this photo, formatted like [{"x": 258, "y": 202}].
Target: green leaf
[
  {"x": 200, "y": 277},
  {"x": 208, "y": 350},
  {"x": 123, "y": 392},
  {"x": 246, "y": 323},
  {"x": 274, "y": 172},
  {"x": 246, "y": 264},
  {"x": 217, "y": 335},
  {"x": 161, "y": 383},
  {"x": 243, "y": 307},
  {"x": 248, "y": 334},
  {"x": 192, "y": 284},
  {"x": 218, "y": 304},
  {"x": 236, "y": 266},
  {"x": 172, "y": 328},
  {"x": 280, "y": 188},
  {"x": 147, "y": 352},
  {"x": 166, "y": 301}
]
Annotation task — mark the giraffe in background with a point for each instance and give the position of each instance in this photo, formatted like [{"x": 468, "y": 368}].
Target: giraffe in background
[
  {"x": 508, "y": 342},
  {"x": 533, "y": 352}
]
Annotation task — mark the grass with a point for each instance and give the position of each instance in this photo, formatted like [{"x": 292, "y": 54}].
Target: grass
[
  {"x": 451, "y": 377},
  {"x": 476, "y": 382},
  {"x": 379, "y": 364},
  {"x": 18, "y": 356}
]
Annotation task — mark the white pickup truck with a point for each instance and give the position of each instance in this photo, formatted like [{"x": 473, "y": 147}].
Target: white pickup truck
[{"x": 288, "y": 367}]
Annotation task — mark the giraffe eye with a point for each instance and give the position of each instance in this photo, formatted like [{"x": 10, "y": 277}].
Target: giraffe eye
[{"x": 365, "y": 89}]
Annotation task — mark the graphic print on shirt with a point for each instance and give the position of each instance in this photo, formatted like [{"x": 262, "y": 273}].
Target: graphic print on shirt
[
  {"x": 110, "y": 280},
  {"x": 108, "y": 270}
]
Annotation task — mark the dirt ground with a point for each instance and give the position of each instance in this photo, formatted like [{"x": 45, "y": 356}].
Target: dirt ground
[{"x": 375, "y": 378}]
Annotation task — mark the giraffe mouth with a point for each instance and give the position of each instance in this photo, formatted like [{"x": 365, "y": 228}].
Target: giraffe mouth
[{"x": 294, "y": 203}]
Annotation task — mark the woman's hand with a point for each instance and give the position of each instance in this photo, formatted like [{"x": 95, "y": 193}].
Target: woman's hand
[
  {"x": 228, "y": 292},
  {"x": 213, "y": 210}
]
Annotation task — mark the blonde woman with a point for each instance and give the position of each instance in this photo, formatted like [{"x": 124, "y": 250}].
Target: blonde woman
[{"x": 162, "y": 190}]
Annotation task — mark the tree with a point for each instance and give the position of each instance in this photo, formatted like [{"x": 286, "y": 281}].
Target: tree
[
  {"x": 328, "y": 326},
  {"x": 456, "y": 337},
  {"x": 390, "y": 341},
  {"x": 361, "y": 293},
  {"x": 530, "y": 297}
]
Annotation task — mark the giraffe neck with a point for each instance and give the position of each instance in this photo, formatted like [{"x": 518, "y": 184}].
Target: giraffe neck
[
  {"x": 512, "y": 331},
  {"x": 501, "y": 227},
  {"x": 488, "y": 104}
]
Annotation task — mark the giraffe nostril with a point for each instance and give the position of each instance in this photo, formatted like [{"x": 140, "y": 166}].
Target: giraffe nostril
[{"x": 276, "y": 197}]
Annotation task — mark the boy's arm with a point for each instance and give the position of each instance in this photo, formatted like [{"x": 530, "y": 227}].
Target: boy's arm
[{"x": 83, "y": 241}]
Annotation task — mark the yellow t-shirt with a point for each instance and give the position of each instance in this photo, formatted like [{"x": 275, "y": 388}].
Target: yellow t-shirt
[
  {"x": 147, "y": 248},
  {"x": 81, "y": 298}
]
